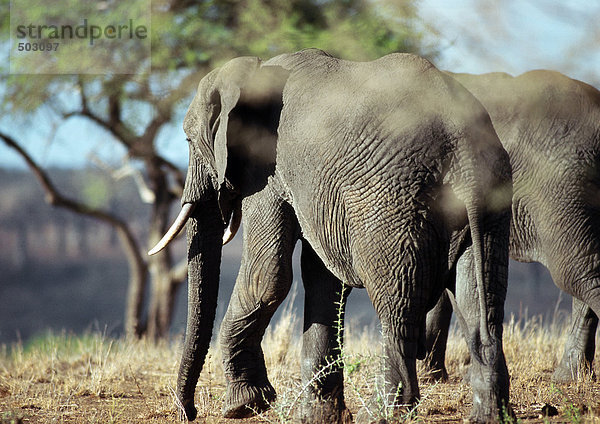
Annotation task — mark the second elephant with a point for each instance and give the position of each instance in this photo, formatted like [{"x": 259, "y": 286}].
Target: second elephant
[{"x": 550, "y": 126}]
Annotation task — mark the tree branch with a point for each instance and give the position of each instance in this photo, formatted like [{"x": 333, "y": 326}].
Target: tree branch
[
  {"x": 84, "y": 100},
  {"x": 114, "y": 124},
  {"x": 121, "y": 133},
  {"x": 55, "y": 198}
]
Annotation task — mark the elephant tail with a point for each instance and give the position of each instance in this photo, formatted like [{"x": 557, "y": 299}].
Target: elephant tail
[
  {"x": 485, "y": 188},
  {"x": 470, "y": 187},
  {"x": 474, "y": 215}
]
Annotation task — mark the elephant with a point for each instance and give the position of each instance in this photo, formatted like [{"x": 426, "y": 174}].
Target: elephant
[
  {"x": 391, "y": 175},
  {"x": 550, "y": 126}
]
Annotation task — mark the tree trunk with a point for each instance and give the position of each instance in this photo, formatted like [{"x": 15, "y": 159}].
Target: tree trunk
[
  {"x": 138, "y": 281},
  {"x": 161, "y": 304},
  {"x": 165, "y": 280}
]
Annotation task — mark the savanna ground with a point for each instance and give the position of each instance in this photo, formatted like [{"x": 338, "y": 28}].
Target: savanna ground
[{"x": 93, "y": 379}]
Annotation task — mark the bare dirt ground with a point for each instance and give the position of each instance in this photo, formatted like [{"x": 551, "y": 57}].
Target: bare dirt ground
[{"x": 93, "y": 379}]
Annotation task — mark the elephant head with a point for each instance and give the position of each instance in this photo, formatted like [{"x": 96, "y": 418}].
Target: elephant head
[{"x": 231, "y": 127}]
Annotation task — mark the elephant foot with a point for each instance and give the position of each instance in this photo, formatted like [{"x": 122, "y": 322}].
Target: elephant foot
[
  {"x": 572, "y": 369},
  {"x": 488, "y": 407},
  {"x": 490, "y": 395},
  {"x": 330, "y": 411},
  {"x": 484, "y": 415},
  {"x": 243, "y": 399}
]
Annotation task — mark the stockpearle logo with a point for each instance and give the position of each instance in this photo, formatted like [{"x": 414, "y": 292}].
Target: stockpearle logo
[{"x": 79, "y": 37}]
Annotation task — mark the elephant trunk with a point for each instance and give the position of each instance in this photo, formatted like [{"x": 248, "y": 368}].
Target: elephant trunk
[{"x": 205, "y": 234}]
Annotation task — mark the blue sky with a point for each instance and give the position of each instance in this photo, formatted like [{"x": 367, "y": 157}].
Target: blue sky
[
  {"x": 475, "y": 36},
  {"x": 515, "y": 36}
]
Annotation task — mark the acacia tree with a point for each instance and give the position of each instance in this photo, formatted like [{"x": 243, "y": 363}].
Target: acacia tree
[{"x": 189, "y": 38}]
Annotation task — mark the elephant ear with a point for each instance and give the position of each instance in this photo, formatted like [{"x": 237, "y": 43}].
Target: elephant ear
[{"x": 208, "y": 116}]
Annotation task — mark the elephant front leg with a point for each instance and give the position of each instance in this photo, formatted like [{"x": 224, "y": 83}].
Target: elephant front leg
[
  {"x": 263, "y": 282},
  {"x": 322, "y": 342},
  {"x": 581, "y": 344},
  {"x": 488, "y": 373}
]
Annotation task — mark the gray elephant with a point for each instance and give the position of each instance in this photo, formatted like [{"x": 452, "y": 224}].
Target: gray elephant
[
  {"x": 392, "y": 176},
  {"x": 550, "y": 126}
]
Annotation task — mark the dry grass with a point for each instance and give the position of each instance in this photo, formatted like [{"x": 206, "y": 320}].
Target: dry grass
[{"x": 92, "y": 379}]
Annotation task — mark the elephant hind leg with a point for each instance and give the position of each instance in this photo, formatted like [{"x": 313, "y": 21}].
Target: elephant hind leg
[
  {"x": 438, "y": 326},
  {"x": 570, "y": 241},
  {"x": 489, "y": 373},
  {"x": 584, "y": 284},
  {"x": 398, "y": 390},
  {"x": 401, "y": 294},
  {"x": 578, "y": 354},
  {"x": 264, "y": 280}
]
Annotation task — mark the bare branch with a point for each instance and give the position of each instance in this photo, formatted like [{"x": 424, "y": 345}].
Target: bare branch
[
  {"x": 55, "y": 198},
  {"x": 114, "y": 109},
  {"x": 120, "y": 132},
  {"x": 154, "y": 126},
  {"x": 40, "y": 175},
  {"x": 84, "y": 101},
  {"x": 127, "y": 170}
]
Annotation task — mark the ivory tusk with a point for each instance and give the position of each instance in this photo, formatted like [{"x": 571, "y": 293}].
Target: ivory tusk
[
  {"x": 178, "y": 224},
  {"x": 234, "y": 225}
]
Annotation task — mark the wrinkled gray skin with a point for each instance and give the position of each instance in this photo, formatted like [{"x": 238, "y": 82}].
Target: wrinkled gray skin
[
  {"x": 550, "y": 126},
  {"x": 386, "y": 171}
]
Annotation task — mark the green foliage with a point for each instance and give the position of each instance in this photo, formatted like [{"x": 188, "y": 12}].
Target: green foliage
[
  {"x": 507, "y": 417},
  {"x": 96, "y": 192},
  {"x": 353, "y": 29},
  {"x": 10, "y": 417},
  {"x": 190, "y": 37},
  {"x": 58, "y": 344},
  {"x": 573, "y": 413}
]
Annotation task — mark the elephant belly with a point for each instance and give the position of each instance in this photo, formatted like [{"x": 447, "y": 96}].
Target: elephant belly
[{"x": 329, "y": 240}]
